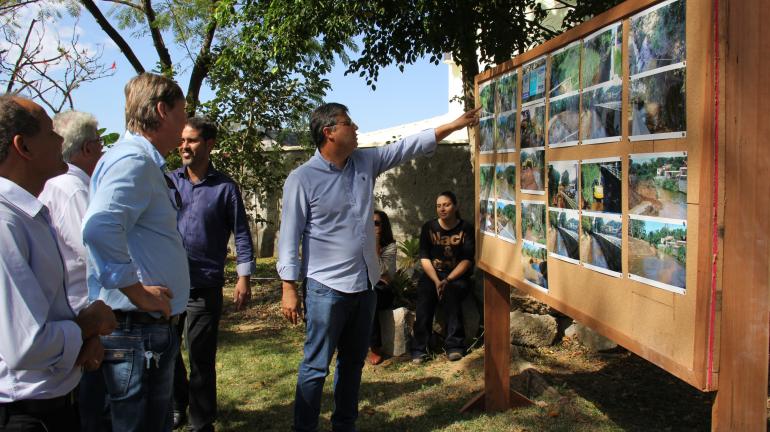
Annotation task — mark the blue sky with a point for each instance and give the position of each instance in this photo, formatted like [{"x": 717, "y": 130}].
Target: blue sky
[{"x": 419, "y": 92}]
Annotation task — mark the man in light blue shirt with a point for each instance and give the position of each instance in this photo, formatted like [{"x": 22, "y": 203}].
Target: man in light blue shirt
[
  {"x": 137, "y": 263},
  {"x": 328, "y": 208},
  {"x": 43, "y": 344}
]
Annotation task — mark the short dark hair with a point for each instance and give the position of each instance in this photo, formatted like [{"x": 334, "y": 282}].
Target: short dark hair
[
  {"x": 324, "y": 116},
  {"x": 386, "y": 237},
  {"x": 206, "y": 127},
  {"x": 14, "y": 120}
]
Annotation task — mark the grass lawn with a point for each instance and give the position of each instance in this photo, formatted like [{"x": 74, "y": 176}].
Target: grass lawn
[{"x": 257, "y": 369}]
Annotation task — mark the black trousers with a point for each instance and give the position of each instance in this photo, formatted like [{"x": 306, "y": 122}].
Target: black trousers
[
  {"x": 384, "y": 302},
  {"x": 201, "y": 323},
  {"x": 39, "y": 417},
  {"x": 450, "y": 304}
]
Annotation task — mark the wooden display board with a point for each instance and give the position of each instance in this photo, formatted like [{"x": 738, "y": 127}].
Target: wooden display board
[{"x": 669, "y": 321}]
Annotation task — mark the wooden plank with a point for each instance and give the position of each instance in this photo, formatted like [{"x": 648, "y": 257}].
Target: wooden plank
[
  {"x": 497, "y": 344},
  {"x": 741, "y": 400}
]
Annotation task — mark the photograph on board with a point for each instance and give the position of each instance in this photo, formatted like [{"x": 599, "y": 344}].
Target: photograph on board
[
  {"x": 505, "y": 92},
  {"x": 487, "y": 98},
  {"x": 657, "y": 37},
  {"x": 601, "y": 182},
  {"x": 563, "y": 241},
  {"x": 533, "y": 221},
  {"x": 506, "y": 220},
  {"x": 601, "y": 242},
  {"x": 486, "y": 181},
  {"x": 532, "y": 170},
  {"x": 564, "y": 120},
  {"x": 657, "y": 185},
  {"x": 657, "y": 253},
  {"x": 506, "y": 132},
  {"x": 486, "y": 135},
  {"x": 565, "y": 70},
  {"x": 505, "y": 181},
  {"x": 562, "y": 184},
  {"x": 532, "y": 126},
  {"x": 533, "y": 80},
  {"x": 487, "y": 216},
  {"x": 600, "y": 115},
  {"x": 602, "y": 58},
  {"x": 658, "y": 105},
  {"x": 534, "y": 262}
]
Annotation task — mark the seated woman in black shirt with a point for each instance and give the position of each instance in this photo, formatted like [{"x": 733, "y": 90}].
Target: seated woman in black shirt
[{"x": 447, "y": 249}]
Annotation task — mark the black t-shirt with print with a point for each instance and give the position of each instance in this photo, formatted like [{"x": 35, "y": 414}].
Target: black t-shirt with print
[{"x": 446, "y": 248}]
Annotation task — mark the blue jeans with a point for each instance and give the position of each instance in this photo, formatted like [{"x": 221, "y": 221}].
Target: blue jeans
[
  {"x": 140, "y": 396},
  {"x": 335, "y": 321},
  {"x": 93, "y": 403}
]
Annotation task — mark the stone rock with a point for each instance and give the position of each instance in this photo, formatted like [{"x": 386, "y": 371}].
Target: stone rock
[
  {"x": 532, "y": 330},
  {"x": 589, "y": 338},
  {"x": 396, "y": 326},
  {"x": 531, "y": 384}
]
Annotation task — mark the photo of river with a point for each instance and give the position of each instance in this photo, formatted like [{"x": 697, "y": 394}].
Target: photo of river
[
  {"x": 657, "y": 184},
  {"x": 506, "y": 221},
  {"x": 600, "y": 116},
  {"x": 658, "y": 252},
  {"x": 506, "y": 132},
  {"x": 563, "y": 240},
  {"x": 533, "y": 221},
  {"x": 601, "y": 242},
  {"x": 565, "y": 70},
  {"x": 505, "y": 181},
  {"x": 657, "y": 37},
  {"x": 487, "y": 98},
  {"x": 486, "y": 181},
  {"x": 506, "y": 88},
  {"x": 602, "y": 59},
  {"x": 564, "y": 120},
  {"x": 486, "y": 134},
  {"x": 534, "y": 264}
]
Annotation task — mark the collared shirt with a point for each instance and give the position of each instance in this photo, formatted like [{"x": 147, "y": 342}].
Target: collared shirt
[
  {"x": 330, "y": 212},
  {"x": 130, "y": 228},
  {"x": 66, "y": 197},
  {"x": 211, "y": 210},
  {"x": 39, "y": 339}
]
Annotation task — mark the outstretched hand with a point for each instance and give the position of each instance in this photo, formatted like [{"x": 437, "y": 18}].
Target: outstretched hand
[{"x": 469, "y": 118}]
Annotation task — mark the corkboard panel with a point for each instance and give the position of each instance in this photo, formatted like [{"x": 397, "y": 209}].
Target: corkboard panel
[{"x": 666, "y": 328}]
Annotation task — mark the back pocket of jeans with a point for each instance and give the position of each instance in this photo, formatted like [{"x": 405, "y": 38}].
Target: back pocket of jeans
[{"x": 117, "y": 367}]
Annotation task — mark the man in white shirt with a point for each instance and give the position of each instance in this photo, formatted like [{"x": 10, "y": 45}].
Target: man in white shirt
[
  {"x": 43, "y": 343},
  {"x": 66, "y": 197}
]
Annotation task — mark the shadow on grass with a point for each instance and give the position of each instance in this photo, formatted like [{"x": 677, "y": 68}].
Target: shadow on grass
[{"x": 635, "y": 394}]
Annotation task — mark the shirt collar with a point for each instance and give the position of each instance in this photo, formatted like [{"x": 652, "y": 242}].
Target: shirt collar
[
  {"x": 322, "y": 162},
  {"x": 19, "y": 197},
  {"x": 79, "y": 173},
  {"x": 147, "y": 146},
  {"x": 181, "y": 172}
]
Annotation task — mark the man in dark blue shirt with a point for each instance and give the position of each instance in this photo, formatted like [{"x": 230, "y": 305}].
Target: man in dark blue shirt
[{"x": 212, "y": 208}]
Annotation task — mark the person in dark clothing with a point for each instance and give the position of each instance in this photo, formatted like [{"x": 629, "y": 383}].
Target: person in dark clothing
[
  {"x": 447, "y": 249},
  {"x": 386, "y": 253}
]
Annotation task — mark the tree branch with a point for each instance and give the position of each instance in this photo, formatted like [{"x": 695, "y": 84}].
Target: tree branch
[
  {"x": 157, "y": 38},
  {"x": 114, "y": 35},
  {"x": 23, "y": 51},
  {"x": 201, "y": 68},
  {"x": 127, "y": 3}
]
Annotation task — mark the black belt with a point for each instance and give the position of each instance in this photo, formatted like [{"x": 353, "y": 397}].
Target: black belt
[
  {"x": 39, "y": 406},
  {"x": 137, "y": 317}
]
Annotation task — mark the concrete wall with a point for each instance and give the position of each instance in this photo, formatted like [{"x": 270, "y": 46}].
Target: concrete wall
[{"x": 407, "y": 193}]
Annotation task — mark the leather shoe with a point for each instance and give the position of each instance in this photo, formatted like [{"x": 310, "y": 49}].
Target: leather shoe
[{"x": 180, "y": 419}]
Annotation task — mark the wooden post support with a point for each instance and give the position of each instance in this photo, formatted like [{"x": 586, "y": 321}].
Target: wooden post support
[
  {"x": 740, "y": 403},
  {"x": 497, "y": 394}
]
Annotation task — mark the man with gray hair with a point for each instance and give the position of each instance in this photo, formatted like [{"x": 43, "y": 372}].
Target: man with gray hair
[
  {"x": 66, "y": 196},
  {"x": 137, "y": 262}
]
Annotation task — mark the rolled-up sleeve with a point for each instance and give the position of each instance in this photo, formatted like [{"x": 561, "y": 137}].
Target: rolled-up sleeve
[
  {"x": 294, "y": 214},
  {"x": 420, "y": 144},
  {"x": 244, "y": 247},
  {"x": 117, "y": 201},
  {"x": 27, "y": 341}
]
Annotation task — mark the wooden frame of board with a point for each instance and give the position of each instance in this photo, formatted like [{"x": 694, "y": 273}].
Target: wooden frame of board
[{"x": 693, "y": 335}]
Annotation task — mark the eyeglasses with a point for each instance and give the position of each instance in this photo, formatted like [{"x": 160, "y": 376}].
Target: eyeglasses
[
  {"x": 177, "y": 195},
  {"x": 377, "y": 223},
  {"x": 346, "y": 123}
]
